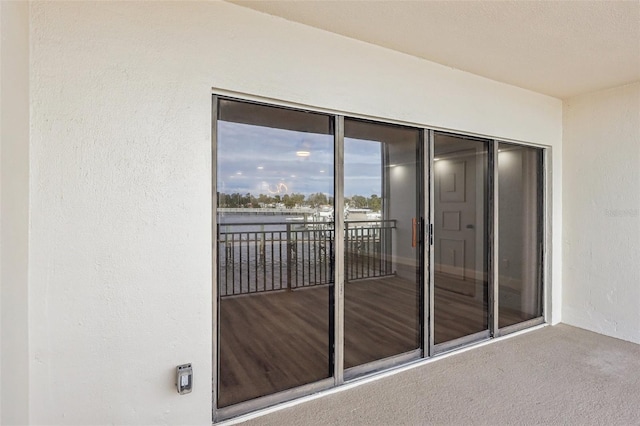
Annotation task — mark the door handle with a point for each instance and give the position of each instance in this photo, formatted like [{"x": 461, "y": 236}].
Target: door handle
[{"x": 414, "y": 232}]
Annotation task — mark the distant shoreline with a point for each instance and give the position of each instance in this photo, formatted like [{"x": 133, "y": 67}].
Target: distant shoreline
[{"x": 267, "y": 210}]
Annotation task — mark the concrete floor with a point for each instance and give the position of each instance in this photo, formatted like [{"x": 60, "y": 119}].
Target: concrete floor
[{"x": 554, "y": 375}]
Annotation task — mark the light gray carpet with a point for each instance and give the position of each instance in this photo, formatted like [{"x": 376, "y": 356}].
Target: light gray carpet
[{"x": 556, "y": 375}]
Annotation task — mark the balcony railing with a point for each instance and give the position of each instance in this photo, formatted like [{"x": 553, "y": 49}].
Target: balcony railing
[{"x": 260, "y": 257}]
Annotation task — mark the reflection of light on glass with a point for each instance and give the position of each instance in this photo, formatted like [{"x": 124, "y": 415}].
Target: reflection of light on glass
[
  {"x": 260, "y": 167},
  {"x": 392, "y": 165},
  {"x": 279, "y": 188},
  {"x": 238, "y": 173},
  {"x": 293, "y": 176},
  {"x": 398, "y": 172},
  {"x": 436, "y": 159},
  {"x": 507, "y": 158},
  {"x": 321, "y": 171},
  {"x": 303, "y": 153}
]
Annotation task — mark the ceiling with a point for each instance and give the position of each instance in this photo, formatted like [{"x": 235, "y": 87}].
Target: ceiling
[{"x": 559, "y": 48}]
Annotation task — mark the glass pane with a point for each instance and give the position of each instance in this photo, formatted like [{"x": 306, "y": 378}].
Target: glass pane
[
  {"x": 460, "y": 237},
  {"x": 382, "y": 268},
  {"x": 275, "y": 249},
  {"x": 520, "y": 209}
]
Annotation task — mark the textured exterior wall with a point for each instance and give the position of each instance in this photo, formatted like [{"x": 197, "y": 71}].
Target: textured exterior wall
[
  {"x": 14, "y": 211},
  {"x": 120, "y": 266},
  {"x": 601, "y": 187}
]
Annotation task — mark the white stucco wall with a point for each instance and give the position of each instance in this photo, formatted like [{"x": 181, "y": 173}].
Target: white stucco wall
[
  {"x": 601, "y": 187},
  {"x": 14, "y": 213},
  {"x": 120, "y": 180}
]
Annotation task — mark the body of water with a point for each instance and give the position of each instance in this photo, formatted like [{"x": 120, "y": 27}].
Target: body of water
[{"x": 237, "y": 222}]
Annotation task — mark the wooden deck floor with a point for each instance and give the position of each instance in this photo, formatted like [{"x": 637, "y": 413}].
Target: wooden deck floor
[{"x": 274, "y": 341}]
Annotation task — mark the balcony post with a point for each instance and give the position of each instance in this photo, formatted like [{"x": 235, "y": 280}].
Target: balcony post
[
  {"x": 289, "y": 256},
  {"x": 346, "y": 251}
]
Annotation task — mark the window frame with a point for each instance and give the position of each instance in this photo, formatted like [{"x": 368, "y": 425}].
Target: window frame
[{"x": 430, "y": 352}]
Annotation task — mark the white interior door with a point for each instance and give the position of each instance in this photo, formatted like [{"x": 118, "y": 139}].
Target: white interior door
[{"x": 455, "y": 220}]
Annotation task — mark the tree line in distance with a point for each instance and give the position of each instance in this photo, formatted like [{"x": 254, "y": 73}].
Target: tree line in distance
[{"x": 315, "y": 200}]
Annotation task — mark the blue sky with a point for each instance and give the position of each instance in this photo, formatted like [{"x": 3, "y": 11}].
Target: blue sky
[{"x": 263, "y": 160}]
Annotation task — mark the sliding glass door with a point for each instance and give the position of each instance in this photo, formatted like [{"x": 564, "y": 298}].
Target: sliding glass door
[
  {"x": 461, "y": 280},
  {"x": 345, "y": 246},
  {"x": 382, "y": 217},
  {"x": 274, "y": 249},
  {"x": 520, "y": 234}
]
